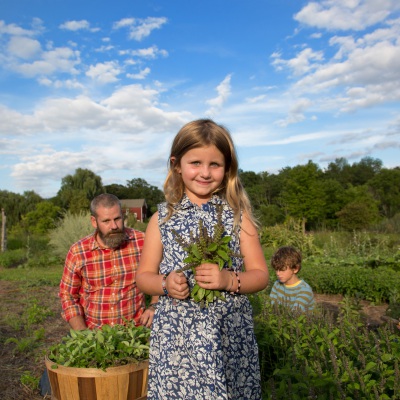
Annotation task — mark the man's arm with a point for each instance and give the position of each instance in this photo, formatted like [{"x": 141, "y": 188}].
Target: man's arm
[
  {"x": 77, "y": 323},
  {"x": 69, "y": 293}
]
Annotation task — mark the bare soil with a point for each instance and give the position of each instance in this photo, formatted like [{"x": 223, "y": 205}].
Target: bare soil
[{"x": 14, "y": 300}]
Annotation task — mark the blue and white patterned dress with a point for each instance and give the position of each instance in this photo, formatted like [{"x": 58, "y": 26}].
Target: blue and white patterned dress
[{"x": 201, "y": 353}]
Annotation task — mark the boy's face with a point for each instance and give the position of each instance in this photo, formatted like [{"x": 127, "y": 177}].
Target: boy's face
[{"x": 287, "y": 276}]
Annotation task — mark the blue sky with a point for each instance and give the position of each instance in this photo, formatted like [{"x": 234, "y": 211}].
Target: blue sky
[{"x": 105, "y": 85}]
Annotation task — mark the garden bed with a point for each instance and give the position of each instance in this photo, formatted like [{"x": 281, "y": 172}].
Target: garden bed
[{"x": 13, "y": 304}]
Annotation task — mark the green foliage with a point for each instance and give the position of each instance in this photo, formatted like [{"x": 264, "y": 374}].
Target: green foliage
[
  {"x": 12, "y": 258},
  {"x": 35, "y": 314},
  {"x": 372, "y": 249},
  {"x": 270, "y": 215},
  {"x": 389, "y": 225},
  {"x": 16, "y": 205},
  {"x": 207, "y": 249},
  {"x": 330, "y": 277},
  {"x": 70, "y": 229},
  {"x": 358, "y": 215},
  {"x": 109, "y": 346},
  {"x": 28, "y": 343},
  {"x": 385, "y": 187},
  {"x": 302, "y": 195},
  {"x": 288, "y": 234},
  {"x": 42, "y": 218},
  {"x": 78, "y": 190},
  {"x": 28, "y": 380},
  {"x": 313, "y": 356}
]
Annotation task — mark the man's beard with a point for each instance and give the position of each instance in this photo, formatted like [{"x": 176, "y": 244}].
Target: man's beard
[{"x": 112, "y": 239}]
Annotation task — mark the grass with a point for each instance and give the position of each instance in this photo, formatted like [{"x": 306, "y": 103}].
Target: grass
[{"x": 49, "y": 276}]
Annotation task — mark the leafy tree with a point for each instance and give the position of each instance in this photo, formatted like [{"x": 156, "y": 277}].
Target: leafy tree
[
  {"x": 303, "y": 196},
  {"x": 121, "y": 191},
  {"x": 16, "y": 205},
  {"x": 365, "y": 170},
  {"x": 42, "y": 219},
  {"x": 385, "y": 187},
  {"x": 355, "y": 174},
  {"x": 78, "y": 190},
  {"x": 358, "y": 215},
  {"x": 270, "y": 215},
  {"x": 339, "y": 171},
  {"x": 336, "y": 199}
]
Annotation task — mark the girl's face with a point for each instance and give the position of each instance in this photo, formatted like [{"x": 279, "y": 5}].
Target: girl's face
[{"x": 202, "y": 170}]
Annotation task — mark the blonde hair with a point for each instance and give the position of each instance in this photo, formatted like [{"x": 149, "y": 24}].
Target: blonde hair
[{"x": 199, "y": 133}]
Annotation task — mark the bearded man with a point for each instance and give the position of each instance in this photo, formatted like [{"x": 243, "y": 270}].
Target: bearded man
[{"x": 98, "y": 285}]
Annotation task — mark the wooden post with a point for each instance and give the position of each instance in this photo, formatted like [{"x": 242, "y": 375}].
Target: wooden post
[{"x": 3, "y": 231}]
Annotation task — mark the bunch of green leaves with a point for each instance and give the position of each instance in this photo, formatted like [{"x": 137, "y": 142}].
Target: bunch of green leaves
[
  {"x": 109, "y": 346},
  {"x": 206, "y": 249}
]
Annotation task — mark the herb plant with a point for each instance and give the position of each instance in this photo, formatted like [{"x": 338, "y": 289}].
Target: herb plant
[
  {"x": 109, "y": 346},
  {"x": 206, "y": 249}
]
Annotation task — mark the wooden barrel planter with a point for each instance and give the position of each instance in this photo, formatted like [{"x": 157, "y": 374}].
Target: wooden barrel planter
[{"x": 126, "y": 382}]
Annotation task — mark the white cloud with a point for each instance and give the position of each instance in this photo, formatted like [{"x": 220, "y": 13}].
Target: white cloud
[
  {"x": 130, "y": 109},
  {"x": 255, "y": 99},
  {"x": 62, "y": 59},
  {"x": 141, "y": 75},
  {"x": 75, "y": 25},
  {"x": 301, "y": 64},
  {"x": 23, "y": 47},
  {"x": 296, "y": 113},
  {"x": 223, "y": 90},
  {"x": 345, "y": 14},
  {"x": 149, "y": 53},
  {"x": 104, "y": 72},
  {"x": 13, "y": 29},
  {"x": 140, "y": 28}
]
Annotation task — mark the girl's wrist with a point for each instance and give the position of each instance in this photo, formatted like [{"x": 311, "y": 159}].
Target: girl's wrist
[
  {"x": 230, "y": 281},
  {"x": 164, "y": 284},
  {"x": 236, "y": 285}
]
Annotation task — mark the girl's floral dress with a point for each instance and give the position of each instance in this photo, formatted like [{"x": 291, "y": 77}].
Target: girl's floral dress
[{"x": 201, "y": 353}]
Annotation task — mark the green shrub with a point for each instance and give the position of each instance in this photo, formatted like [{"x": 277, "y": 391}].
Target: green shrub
[
  {"x": 70, "y": 229},
  {"x": 12, "y": 258},
  {"x": 288, "y": 234},
  {"x": 369, "y": 284}
]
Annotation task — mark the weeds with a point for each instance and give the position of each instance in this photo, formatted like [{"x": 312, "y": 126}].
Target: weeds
[
  {"x": 29, "y": 381},
  {"x": 315, "y": 356}
]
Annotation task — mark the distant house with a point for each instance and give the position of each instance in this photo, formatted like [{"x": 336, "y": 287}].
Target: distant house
[{"x": 138, "y": 207}]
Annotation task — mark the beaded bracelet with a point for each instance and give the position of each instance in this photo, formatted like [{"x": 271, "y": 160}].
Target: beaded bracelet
[
  {"x": 237, "y": 291},
  {"x": 164, "y": 284},
  {"x": 238, "y": 279}
]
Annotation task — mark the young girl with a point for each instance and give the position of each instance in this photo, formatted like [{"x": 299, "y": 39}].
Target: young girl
[{"x": 202, "y": 352}]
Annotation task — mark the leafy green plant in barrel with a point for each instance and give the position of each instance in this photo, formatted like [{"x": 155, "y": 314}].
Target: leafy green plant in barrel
[{"x": 110, "y": 346}]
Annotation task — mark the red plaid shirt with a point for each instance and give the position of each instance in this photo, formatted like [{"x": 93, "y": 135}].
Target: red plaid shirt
[{"x": 100, "y": 284}]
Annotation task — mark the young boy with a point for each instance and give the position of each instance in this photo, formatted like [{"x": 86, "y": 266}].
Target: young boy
[{"x": 289, "y": 289}]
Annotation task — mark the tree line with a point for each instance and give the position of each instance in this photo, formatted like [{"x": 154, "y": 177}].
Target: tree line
[{"x": 343, "y": 196}]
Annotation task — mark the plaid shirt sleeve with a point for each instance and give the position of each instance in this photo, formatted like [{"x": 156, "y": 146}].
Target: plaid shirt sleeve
[{"x": 70, "y": 286}]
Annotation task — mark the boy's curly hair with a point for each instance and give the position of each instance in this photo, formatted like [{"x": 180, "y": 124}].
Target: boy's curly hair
[{"x": 286, "y": 257}]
